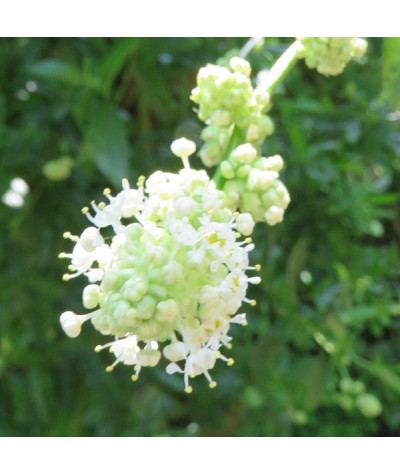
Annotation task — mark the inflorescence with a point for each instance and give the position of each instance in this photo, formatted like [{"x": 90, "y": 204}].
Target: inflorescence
[
  {"x": 172, "y": 278},
  {"x": 227, "y": 99},
  {"x": 329, "y": 56}
]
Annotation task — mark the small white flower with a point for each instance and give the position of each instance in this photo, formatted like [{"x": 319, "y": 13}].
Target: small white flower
[
  {"x": 126, "y": 350},
  {"x": 148, "y": 357},
  {"x": 183, "y": 232},
  {"x": 90, "y": 239},
  {"x": 176, "y": 351}
]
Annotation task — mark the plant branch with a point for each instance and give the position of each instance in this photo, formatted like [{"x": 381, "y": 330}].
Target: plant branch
[{"x": 281, "y": 68}]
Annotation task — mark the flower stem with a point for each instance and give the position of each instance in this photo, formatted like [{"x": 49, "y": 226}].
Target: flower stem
[
  {"x": 235, "y": 140},
  {"x": 281, "y": 68},
  {"x": 252, "y": 43}
]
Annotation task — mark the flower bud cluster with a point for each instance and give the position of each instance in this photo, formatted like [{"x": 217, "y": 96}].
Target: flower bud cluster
[
  {"x": 330, "y": 55},
  {"x": 252, "y": 184},
  {"x": 353, "y": 395},
  {"x": 172, "y": 277},
  {"x": 226, "y": 98}
]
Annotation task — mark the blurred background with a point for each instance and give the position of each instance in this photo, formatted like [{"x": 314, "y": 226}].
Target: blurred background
[{"x": 321, "y": 353}]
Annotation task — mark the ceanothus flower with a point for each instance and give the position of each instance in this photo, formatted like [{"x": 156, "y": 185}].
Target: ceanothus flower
[{"x": 172, "y": 278}]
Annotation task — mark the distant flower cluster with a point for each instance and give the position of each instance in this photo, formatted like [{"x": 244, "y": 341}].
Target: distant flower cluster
[{"x": 329, "y": 56}]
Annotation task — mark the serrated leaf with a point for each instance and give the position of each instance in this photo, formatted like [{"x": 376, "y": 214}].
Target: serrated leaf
[{"x": 107, "y": 136}]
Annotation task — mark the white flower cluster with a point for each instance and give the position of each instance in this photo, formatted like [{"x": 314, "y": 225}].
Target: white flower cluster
[
  {"x": 172, "y": 278},
  {"x": 253, "y": 185},
  {"x": 16, "y": 193},
  {"x": 330, "y": 55},
  {"x": 226, "y": 98}
]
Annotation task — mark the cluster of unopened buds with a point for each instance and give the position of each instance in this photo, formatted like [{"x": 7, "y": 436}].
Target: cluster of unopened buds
[
  {"x": 172, "y": 278},
  {"x": 251, "y": 184},
  {"x": 329, "y": 56},
  {"x": 226, "y": 99}
]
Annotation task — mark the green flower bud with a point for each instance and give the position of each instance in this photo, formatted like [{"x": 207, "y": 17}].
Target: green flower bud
[
  {"x": 240, "y": 65},
  {"x": 221, "y": 118},
  {"x": 167, "y": 310},
  {"x": 211, "y": 154},
  {"x": 60, "y": 169},
  {"x": 245, "y": 153},
  {"x": 91, "y": 296},
  {"x": 227, "y": 170},
  {"x": 369, "y": 405},
  {"x": 146, "y": 307},
  {"x": 274, "y": 215}
]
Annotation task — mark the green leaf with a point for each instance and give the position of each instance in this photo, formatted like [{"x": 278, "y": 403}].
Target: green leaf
[
  {"x": 391, "y": 71},
  {"x": 57, "y": 70},
  {"x": 314, "y": 377},
  {"x": 154, "y": 92},
  {"x": 107, "y": 136},
  {"x": 112, "y": 63}
]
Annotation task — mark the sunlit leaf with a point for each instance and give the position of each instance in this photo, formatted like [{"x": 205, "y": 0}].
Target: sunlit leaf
[{"x": 391, "y": 71}]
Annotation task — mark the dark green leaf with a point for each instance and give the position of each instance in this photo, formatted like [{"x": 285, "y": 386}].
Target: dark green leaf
[
  {"x": 112, "y": 63},
  {"x": 57, "y": 70},
  {"x": 108, "y": 139}
]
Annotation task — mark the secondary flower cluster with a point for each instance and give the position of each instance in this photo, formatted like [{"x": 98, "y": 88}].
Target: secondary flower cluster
[
  {"x": 226, "y": 98},
  {"x": 252, "y": 184},
  {"x": 330, "y": 55},
  {"x": 171, "y": 279}
]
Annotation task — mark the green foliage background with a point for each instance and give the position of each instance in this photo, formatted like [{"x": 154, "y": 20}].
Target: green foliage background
[{"x": 321, "y": 353}]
